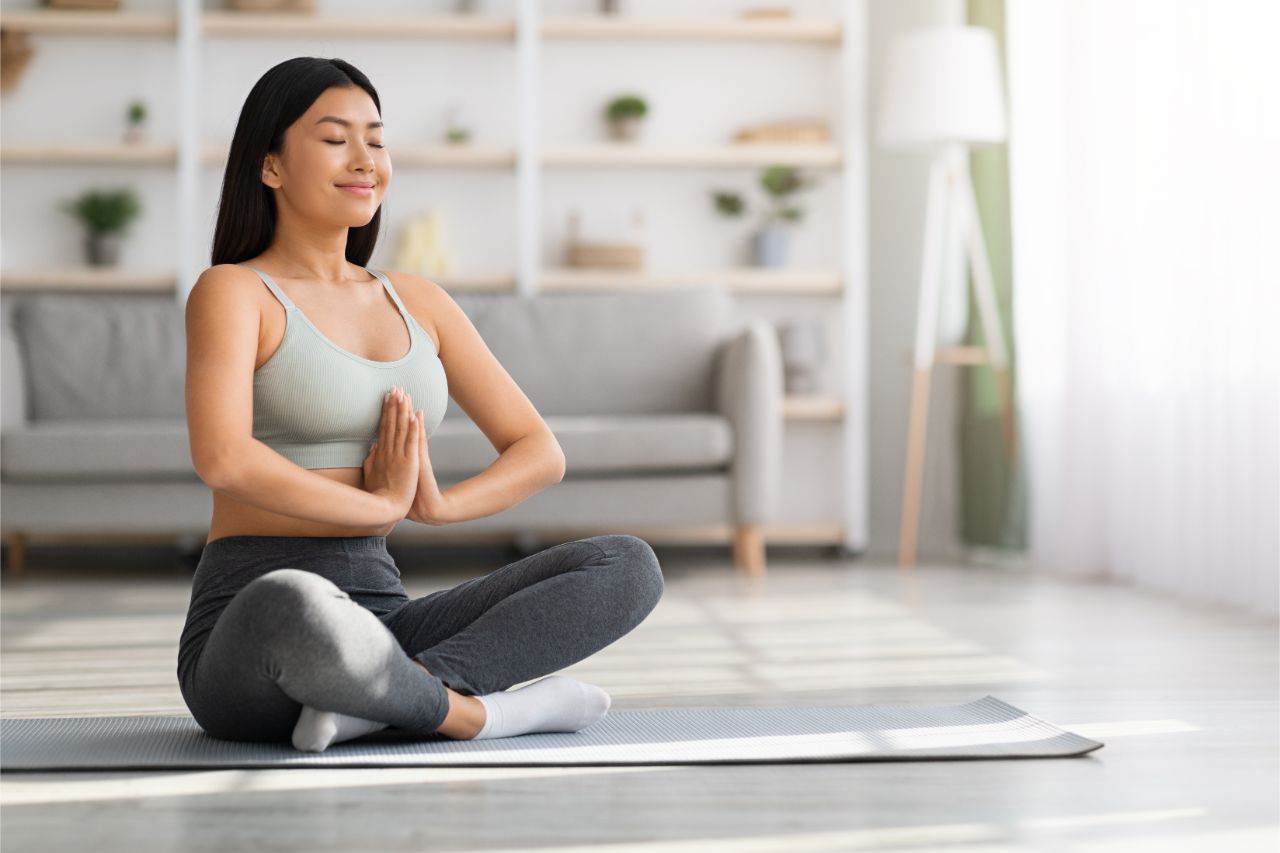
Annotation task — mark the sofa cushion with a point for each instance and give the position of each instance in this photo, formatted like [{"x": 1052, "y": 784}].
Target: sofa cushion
[
  {"x": 102, "y": 355},
  {"x": 158, "y": 448},
  {"x": 617, "y": 352}
]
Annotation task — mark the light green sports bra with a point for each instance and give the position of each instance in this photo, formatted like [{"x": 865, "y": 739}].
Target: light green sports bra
[{"x": 320, "y": 406}]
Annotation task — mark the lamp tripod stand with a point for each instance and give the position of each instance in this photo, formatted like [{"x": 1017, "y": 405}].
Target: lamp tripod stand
[{"x": 952, "y": 214}]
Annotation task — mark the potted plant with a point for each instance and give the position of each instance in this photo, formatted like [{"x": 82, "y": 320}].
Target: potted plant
[
  {"x": 105, "y": 213},
  {"x": 624, "y": 115},
  {"x": 135, "y": 131},
  {"x": 769, "y": 241},
  {"x": 456, "y": 131}
]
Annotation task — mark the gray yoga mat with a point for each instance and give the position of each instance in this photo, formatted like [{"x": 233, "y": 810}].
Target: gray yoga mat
[{"x": 983, "y": 729}]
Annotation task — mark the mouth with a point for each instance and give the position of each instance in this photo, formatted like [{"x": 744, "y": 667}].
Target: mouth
[{"x": 365, "y": 189}]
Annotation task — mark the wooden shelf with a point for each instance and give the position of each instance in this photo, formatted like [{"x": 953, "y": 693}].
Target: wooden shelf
[
  {"x": 285, "y": 24},
  {"x": 749, "y": 280},
  {"x": 126, "y": 279},
  {"x": 277, "y": 24},
  {"x": 90, "y": 22},
  {"x": 88, "y": 278},
  {"x": 466, "y": 156},
  {"x": 740, "y": 154},
  {"x": 88, "y": 153},
  {"x": 746, "y": 29},
  {"x": 813, "y": 407},
  {"x": 443, "y": 155}
]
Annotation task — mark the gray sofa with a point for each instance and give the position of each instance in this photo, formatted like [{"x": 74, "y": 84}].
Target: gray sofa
[{"x": 669, "y": 412}]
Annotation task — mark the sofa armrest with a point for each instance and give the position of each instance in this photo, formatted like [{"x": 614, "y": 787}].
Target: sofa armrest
[
  {"x": 13, "y": 405},
  {"x": 748, "y": 391}
]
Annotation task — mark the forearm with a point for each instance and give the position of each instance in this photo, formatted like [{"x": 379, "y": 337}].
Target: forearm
[
  {"x": 522, "y": 470},
  {"x": 257, "y": 475}
]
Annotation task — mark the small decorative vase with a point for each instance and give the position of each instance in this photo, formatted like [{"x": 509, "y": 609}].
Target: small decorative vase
[
  {"x": 769, "y": 246},
  {"x": 625, "y": 129},
  {"x": 103, "y": 248}
]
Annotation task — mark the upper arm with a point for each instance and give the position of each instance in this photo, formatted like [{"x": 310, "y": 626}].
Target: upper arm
[
  {"x": 222, "y": 325},
  {"x": 477, "y": 381}
]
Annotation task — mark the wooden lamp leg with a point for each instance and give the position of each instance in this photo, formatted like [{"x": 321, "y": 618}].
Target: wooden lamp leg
[{"x": 938, "y": 216}]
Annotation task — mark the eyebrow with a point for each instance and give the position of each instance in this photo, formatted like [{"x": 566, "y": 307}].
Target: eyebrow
[{"x": 344, "y": 122}]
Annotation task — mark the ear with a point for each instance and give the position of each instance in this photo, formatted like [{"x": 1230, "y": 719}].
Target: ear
[{"x": 269, "y": 175}]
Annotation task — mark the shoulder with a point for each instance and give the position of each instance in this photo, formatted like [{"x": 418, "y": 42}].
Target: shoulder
[
  {"x": 225, "y": 291},
  {"x": 228, "y": 278},
  {"x": 429, "y": 303}
]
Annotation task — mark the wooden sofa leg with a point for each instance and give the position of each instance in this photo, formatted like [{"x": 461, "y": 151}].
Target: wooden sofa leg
[
  {"x": 748, "y": 550},
  {"x": 17, "y": 544}
]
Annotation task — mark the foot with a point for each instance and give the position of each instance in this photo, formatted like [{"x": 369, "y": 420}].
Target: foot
[{"x": 557, "y": 703}]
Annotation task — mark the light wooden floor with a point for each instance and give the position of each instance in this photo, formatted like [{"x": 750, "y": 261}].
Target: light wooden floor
[{"x": 1185, "y": 698}]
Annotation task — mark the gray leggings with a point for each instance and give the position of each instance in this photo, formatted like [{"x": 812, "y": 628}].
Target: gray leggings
[{"x": 278, "y": 622}]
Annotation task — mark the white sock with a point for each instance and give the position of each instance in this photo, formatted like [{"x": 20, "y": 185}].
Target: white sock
[
  {"x": 315, "y": 730},
  {"x": 557, "y": 703}
]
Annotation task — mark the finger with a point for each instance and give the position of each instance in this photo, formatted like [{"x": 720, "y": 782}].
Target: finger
[
  {"x": 385, "y": 424},
  {"x": 396, "y": 438},
  {"x": 406, "y": 425}
]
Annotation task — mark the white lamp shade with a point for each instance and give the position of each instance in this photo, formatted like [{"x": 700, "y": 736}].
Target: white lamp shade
[{"x": 940, "y": 86}]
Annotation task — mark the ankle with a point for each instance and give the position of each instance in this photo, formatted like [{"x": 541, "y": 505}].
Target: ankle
[{"x": 465, "y": 719}]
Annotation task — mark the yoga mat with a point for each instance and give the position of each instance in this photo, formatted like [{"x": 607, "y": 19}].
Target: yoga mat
[{"x": 983, "y": 729}]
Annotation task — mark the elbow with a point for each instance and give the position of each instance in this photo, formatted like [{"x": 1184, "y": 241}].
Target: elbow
[
  {"x": 558, "y": 465},
  {"x": 215, "y": 470},
  {"x": 214, "y": 476}
]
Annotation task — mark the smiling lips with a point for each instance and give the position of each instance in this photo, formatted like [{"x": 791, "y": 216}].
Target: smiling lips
[{"x": 358, "y": 188}]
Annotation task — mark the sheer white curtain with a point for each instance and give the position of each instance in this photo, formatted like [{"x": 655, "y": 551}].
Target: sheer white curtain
[{"x": 1145, "y": 179}]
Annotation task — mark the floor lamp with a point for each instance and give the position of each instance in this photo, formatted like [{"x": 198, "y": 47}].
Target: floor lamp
[{"x": 942, "y": 93}]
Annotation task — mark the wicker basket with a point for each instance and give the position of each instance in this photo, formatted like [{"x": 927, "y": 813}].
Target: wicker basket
[
  {"x": 82, "y": 4},
  {"x": 272, "y": 5}
]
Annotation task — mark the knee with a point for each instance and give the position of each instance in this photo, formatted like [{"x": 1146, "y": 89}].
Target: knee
[
  {"x": 641, "y": 570},
  {"x": 290, "y": 604}
]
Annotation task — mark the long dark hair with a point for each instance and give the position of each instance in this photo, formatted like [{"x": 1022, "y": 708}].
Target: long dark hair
[{"x": 247, "y": 209}]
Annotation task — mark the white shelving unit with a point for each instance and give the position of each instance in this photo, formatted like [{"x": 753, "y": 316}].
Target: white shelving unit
[{"x": 189, "y": 26}]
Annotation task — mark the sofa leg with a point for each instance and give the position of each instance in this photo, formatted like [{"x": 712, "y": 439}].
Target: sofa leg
[
  {"x": 17, "y": 544},
  {"x": 748, "y": 550}
]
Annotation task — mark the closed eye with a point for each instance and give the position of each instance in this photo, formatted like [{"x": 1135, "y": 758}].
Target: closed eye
[{"x": 344, "y": 142}]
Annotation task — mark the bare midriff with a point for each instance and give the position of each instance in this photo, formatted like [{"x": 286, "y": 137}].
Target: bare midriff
[{"x": 232, "y": 517}]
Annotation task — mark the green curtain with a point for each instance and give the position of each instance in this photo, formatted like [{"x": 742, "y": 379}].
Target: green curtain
[{"x": 993, "y": 487}]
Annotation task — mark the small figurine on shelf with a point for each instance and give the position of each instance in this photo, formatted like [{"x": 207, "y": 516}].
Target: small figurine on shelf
[
  {"x": 135, "y": 132},
  {"x": 804, "y": 350},
  {"x": 624, "y": 115},
  {"x": 455, "y": 131},
  {"x": 424, "y": 247},
  {"x": 769, "y": 241},
  {"x": 106, "y": 214}
]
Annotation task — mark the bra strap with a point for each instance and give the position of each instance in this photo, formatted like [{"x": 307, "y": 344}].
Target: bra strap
[
  {"x": 386, "y": 282},
  {"x": 275, "y": 288}
]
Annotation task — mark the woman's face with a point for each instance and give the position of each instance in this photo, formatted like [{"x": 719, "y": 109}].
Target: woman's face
[{"x": 333, "y": 143}]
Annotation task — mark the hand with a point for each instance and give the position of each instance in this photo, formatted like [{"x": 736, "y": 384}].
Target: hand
[
  {"x": 391, "y": 466},
  {"x": 429, "y": 505}
]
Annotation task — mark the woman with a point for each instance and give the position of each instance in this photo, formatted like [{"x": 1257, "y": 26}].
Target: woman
[{"x": 300, "y": 400}]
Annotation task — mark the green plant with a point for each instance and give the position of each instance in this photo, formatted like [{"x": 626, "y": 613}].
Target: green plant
[
  {"x": 626, "y": 106},
  {"x": 779, "y": 184},
  {"x": 104, "y": 211},
  {"x": 137, "y": 112}
]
